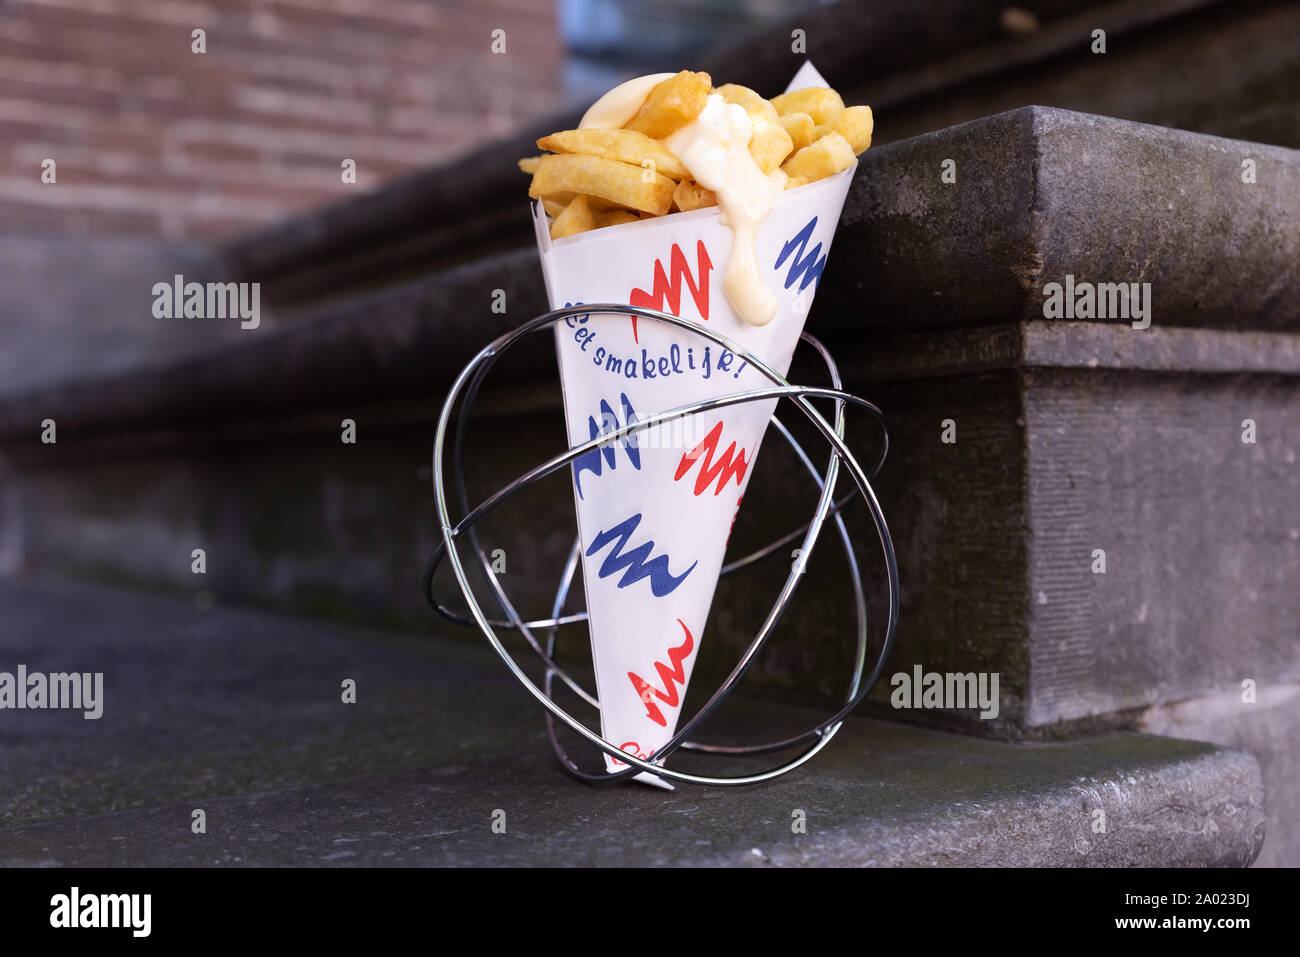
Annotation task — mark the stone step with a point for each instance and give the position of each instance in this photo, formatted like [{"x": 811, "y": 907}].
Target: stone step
[
  {"x": 1043, "y": 193},
  {"x": 1073, "y": 438},
  {"x": 238, "y": 713}
]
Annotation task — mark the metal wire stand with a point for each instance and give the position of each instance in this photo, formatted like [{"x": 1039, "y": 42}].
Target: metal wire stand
[{"x": 467, "y": 384}]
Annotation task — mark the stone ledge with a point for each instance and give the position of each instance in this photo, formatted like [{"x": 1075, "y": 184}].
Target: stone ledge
[
  {"x": 921, "y": 68},
  {"x": 994, "y": 535},
  {"x": 1041, "y": 193},
  {"x": 440, "y": 737},
  {"x": 1049, "y": 344},
  {"x": 1014, "y": 218},
  {"x": 410, "y": 339},
  {"x": 1171, "y": 805}
]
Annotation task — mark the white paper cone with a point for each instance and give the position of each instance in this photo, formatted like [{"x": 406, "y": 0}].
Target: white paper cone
[{"x": 655, "y": 511}]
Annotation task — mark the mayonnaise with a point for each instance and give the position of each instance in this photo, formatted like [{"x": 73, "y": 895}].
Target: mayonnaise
[
  {"x": 613, "y": 110},
  {"x": 714, "y": 147}
]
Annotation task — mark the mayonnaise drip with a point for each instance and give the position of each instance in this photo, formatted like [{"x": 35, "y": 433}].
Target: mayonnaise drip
[
  {"x": 613, "y": 110},
  {"x": 715, "y": 149}
]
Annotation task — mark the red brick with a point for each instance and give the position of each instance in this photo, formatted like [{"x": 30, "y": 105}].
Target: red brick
[{"x": 150, "y": 137}]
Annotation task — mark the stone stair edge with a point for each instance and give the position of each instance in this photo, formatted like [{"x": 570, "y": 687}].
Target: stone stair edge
[
  {"x": 882, "y": 793},
  {"x": 422, "y": 330},
  {"x": 1029, "y": 830}
]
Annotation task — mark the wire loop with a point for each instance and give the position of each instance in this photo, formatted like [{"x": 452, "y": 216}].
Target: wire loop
[{"x": 467, "y": 384}]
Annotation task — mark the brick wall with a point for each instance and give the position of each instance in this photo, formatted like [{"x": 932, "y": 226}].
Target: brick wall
[{"x": 149, "y": 137}]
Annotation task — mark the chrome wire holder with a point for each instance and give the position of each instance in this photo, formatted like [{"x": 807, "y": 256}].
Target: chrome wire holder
[{"x": 467, "y": 384}]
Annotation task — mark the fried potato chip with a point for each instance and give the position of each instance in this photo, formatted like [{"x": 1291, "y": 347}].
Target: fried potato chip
[
  {"x": 672, "y": 104},
  {"x": 793, "y": 182},
  {"x": 529, "y": 164},
  {"x": 769, "y": 144},
  {"x": 576, "y": 218},
  {"x": 826, "y": 156},
  {"x": 626, "y": 146},
  {"x": 748, "y": 100},
  {"x": 820, "y": 102},
  {"x": 690, "y": 195},
  {"x": 800, "y": 126},
  {"x": 855, "y": 125},
  {"x": 616, "y": 217},
  {"x": 554, "y": 207},
  {"x": 563, "y": 176}
]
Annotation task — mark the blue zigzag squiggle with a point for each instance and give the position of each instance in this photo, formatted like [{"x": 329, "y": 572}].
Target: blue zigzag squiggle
[{"x": 636, "y": 561}]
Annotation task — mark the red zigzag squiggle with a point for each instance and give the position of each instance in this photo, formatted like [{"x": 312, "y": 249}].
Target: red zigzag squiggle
[
  {"x": 670, "y": 676},
  {"x": 724, "y": 469},
  {"x": 667, "y": 286}
]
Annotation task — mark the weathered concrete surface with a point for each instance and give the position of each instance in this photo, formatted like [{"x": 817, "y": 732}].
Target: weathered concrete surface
[
  {"x": 1070, "y": 437},
  {"x": 77, "y": 308},
  {"x": 238, "y": 713},
  {"x": 1040, "y": 193},
  {"x": 303, "y": 522},
  {"x": 1199, "y": 529},
  {"x": 1045, "y": 345},
  {"x": 406, "y": 340},
  {"x": 1226, "y": 69},
  {"x": 1269, "y": 728},
  {"x": 1195, "y": 807}
]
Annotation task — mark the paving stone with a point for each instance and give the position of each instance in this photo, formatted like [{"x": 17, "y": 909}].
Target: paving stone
[{"x": 237, "y": 712}]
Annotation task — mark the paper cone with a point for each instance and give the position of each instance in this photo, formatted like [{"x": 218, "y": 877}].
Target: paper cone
[{"x": 655, "y": 511}]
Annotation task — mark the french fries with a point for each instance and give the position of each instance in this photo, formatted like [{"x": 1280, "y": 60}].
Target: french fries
[
  {"x": 626, "y": 146},
  {"x": 769, "y": 142},
  {"x": 826, "y": 157},
  {"x": 855, "y": 124},
  {"x": 564, "y": 176},
  {"x": 746, "y": 99},
  {"x": 800, "y": 126},
  {"x": 592, "y": 178},
  {"x": 672, "y": 104},
  {"x": 689, "y": 195},
  {"x": 575, "y": 218},
  {"x": 820, "y": 102},
  {"x": 616, "y": 217}
]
